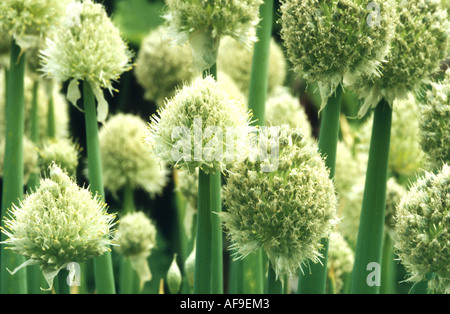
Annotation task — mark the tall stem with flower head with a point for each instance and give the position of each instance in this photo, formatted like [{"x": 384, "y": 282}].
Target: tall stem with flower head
[
  {"x": 13, "y": 164},
  {"x": 315, "y": 280},
  {"x": 104, "y": 276}
]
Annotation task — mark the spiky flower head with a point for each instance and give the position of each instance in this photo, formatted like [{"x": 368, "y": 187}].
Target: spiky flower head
[
  {"x": 87, "y": 46},
  {"x": 58, "y": 224},
  {"x": 283, "y": 108},
  {"x": 127, "y": 159},
  {"x": 422, "y": 229},
  {"x": 329, "y": 40},
  {"x": 420, "y": 43},
  {"x": 161, "y": 66},
  {"x": 203, "y": 23},
  {"x": 235, "y": 59},
  {"x": 340, "y": 260},
  {"x": 406, "y": 157},
  {"x": 434, "y": 129},
  {"x": 136, "y": 237},
  {"x": 29, "y": 20},
  {"x": 200, "y": 127},
  {"x": 63, "y": 151},
  {"x": 30, "y": 158},
  {"x": 285, "y": 212}
]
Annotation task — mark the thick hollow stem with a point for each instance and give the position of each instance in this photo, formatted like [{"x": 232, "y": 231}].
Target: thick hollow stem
[
  {"x": 104, "y": 277},
  {"x": 365, "y": 276},
  {"x": 217, "y": 241},
  {"x": 314, "y": 281},
  {"x": 203, "y": 254},
  {"x": 13, "y": 166}
]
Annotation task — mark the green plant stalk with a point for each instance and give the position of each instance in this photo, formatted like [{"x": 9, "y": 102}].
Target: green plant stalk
[
  {"x": 236, "y": 277},
  {"x": 215, "y": 206},
  {"x": 203, "y": 254},
  {"x": 12, "y": 190},
  {"x": 315, "y": 281},
  {"x": 388, "y": 266},
  {"x": 34, "y": 276},
  {"x": 51, "y": 128},
  {"x": 370, "y": 234},
  {"x": 274, "y": 285},
  {"x": 127, "y": 273},
  {"x": 217, "y": 240},
  {"x": 253, "y": 265},
  {"x": 104, "y": 276}
]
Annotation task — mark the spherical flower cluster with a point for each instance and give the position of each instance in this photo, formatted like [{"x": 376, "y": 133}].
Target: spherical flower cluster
[
  {"x": 87, "y": 46},
  {"x": 161, "y": 67},
  {"x": 434, "y": 129},
  {"x": 340, "y": 260},
  {"x": 235, "y": 59},
  {"x": 283, "y": 108},
  {"x": 422, "y": 229},
  {"x": 285, "y": 212},
  {"x": 63, "y": 152},
  {"x": 420, "y": 43},
  {"x": 136, "y": 236},
  {"x": 28, "y": 20},
  {"x": 127, "y": 159},
  {"x": 329, "y": 40},
  {"x": 203, "y": 23},
  {"x": 30, "y": 158},
  {"x": 200, "y": 127},
  {"x": 59, "y": 223},
  {"x": 406, "y": 157}
]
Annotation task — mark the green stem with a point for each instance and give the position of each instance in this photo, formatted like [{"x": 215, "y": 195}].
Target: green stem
[
  {"x": 370, "y": 234},
  {"x": 253, "y": 272},
  {"x": 315, "y": 281},
  {"x": 217, "y": 241},
  {"x": 236, "y": 276},
  {"x": 128, "y": 205},
  {"x": 104, "y": 277},
  {"x": 215, "y": 181},
  {"x": 273, "y": 286},
  {"x": 203, "y": 255},
  {"x": 12, "y": 190},
  {"x": 127, "y": 273},
  {"x": 127, "y": 276},
  {"x": 51, "y": 128},
  {"x": 253, "y": 269},
  {"x": 260, "y": 64},
  {"x": 35, "y": 278},
  {"x": 387, "y": 267}
]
